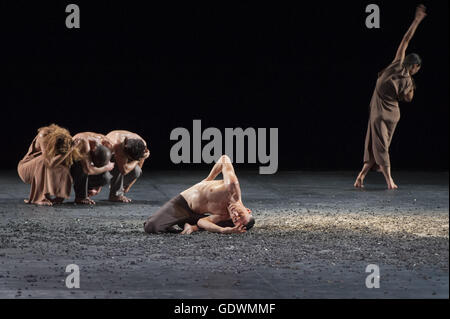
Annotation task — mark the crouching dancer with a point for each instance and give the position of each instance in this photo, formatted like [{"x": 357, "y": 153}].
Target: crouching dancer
[
  {"x": 92, "y": 171},
  {"x": 212, "y": 205},
  {"x": 130, "y": 152}
]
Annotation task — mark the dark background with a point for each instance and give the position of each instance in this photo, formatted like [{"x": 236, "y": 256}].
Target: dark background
[{"x": 307, "y": 68}]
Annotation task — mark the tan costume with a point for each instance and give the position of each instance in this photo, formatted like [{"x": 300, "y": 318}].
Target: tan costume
[
  {"x": 34, "y": 169},
  {"x": 392, "y": 85}
]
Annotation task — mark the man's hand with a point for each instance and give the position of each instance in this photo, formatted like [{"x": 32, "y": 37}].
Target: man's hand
[
  {"x": 234, "y": 230},
  {"x": 146, "y": 154},
  {"x": 420, "y": 12},
  {"x": 109, "y": 167}
]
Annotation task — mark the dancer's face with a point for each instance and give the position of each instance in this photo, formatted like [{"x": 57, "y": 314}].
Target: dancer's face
[
  {"x": 240, "y": 215},
  {"x": 414, "y": 69}
]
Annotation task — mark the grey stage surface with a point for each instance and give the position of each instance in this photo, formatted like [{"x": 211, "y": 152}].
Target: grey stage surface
[{"x": 313, "y": 238}]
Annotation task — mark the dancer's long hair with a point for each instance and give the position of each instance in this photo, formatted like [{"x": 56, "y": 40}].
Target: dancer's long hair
[{"x": 58, "y": 141}]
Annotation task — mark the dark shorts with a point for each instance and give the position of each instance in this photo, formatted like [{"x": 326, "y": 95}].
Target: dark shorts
[{"x": 175, "y": 212}]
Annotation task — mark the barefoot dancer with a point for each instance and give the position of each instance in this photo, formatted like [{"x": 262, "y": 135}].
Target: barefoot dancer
[
  {"x": 92, "y": 171},
  {"x": 221, "y": 199},
  {"x": 130, "y": 152},
  {"x": 394, "y": 84},
  {"x": 46, "y": 166}
]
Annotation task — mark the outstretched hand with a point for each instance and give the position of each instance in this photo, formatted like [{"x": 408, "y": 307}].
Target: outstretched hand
[
  {"x": 421, "y": 12},
  {"x": 234, "y": 230}
]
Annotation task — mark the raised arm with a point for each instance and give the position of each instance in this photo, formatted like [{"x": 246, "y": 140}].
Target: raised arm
[
  {"x": 225, "y": 167},
  {"x": 420, "y": 15},
  {"x": 216, "y": 170}
]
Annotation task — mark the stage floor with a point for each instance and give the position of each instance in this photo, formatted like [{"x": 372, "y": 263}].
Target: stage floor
[{"x": 313, "y": 238}]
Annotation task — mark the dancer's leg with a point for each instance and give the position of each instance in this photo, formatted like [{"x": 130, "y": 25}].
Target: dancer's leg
[
  {"x": 386, "y": 170},
  {"x": 80, "y": 184},
  {"x": 174, "y": 212},
  {"x": 131, "y": 177},
  {"x": 96, "y": 182},
  {"x": 116, "y": 193},
  {"x": 359, "y": 183}
]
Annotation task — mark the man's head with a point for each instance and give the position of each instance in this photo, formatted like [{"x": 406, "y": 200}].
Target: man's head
[
  {"x": 134, "y": 148},
  {"x": 101, "y": 156},
  {"x": 412, "y": 63},
  {"x": 241, "y": 215}
]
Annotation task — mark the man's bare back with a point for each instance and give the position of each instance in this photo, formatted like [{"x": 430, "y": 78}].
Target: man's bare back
[
  {"x": 210, "y": 197},
  {"x": 92, "y": 137},
  {"x": 118, "y": 136}
]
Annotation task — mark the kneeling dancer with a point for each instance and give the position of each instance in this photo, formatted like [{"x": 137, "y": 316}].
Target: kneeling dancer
[{"x": 212, "y": 205}]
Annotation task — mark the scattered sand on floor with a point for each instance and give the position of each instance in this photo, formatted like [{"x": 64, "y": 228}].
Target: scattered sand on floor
[{"x": 423, "y": 225}]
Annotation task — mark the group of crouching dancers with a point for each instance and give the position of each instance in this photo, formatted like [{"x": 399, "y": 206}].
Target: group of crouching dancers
[{"x": 89, "y": 161}]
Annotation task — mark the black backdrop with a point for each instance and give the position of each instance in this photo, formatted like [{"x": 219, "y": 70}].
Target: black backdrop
[{"x": 308, "y": 68}]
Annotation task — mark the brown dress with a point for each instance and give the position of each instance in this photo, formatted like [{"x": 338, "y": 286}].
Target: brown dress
[
  {"x": 34, "y": 169},
  {"x": 392, "y": 84}
]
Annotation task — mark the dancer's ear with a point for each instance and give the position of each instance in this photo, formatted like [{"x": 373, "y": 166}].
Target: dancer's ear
[{"x": 249, "y": 210}]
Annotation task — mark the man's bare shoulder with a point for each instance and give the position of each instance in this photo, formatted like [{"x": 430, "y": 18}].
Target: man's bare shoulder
[
  {"x": 89, "y": 135},
  {"x": 118, "y": 136}
]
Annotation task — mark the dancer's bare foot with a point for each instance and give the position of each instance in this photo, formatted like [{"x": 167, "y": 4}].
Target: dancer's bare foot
[
  {"x": 84, "y": 201},
  {"x": 44, "y": 202},
  {"x": 94, "y": 191},
  {"x": 54, "y": 200},
  {"x": 120, "y": 199},
  {"x": 57, "y": 200},
  {"x": 188, "y": 229},
  {"x": 392, "y": 185},
  {"x": 359, "y": 183}
]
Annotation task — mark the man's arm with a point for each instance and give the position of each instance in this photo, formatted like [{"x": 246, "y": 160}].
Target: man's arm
[
  {"x": 209, "y": 224},
  {"x": 420, "y": 15},
  {"x": 230, "y": 179},
  {"x": 216, "y": 170},
  {"x": 225, "y": 167},
  {"x": 122, "y": 161},
  {"x": 90, "y": 169},
  {"x": 146, "y": 155}
]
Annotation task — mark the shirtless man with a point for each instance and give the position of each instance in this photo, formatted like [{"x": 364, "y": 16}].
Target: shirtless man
[
  {"x": 220, "y": 199},
  {"x": 92, "y": 171},
  {"x": 130, "y": 152}
]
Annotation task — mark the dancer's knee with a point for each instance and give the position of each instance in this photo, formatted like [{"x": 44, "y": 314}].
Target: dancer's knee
[
  {"x": 106, "y": 178},
  {"x": 150, "y": 227},
  {"x": 137, "y": 172}
]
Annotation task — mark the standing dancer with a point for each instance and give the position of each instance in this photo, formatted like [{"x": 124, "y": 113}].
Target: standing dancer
[{"x": 394, "y": 84}]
